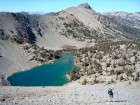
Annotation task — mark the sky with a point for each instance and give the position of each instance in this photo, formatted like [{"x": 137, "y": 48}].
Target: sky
[{"x": 58, "y": 5}]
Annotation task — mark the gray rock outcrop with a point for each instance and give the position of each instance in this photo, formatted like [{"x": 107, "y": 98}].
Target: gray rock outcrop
[{"x": 3, "y": 81}]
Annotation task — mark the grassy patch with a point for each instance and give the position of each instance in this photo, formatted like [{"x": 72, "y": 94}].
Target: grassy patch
[{"x": 69, "y": 47}]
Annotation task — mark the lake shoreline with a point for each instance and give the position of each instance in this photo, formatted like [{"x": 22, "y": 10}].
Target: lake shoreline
[
  {"x": 29, "y": 68},
  {"x": 70, "y": 56},
  {"x": 80, "y": 66}
]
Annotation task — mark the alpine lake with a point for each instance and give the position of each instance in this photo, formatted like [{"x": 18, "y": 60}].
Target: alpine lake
[{"x": 47, "y": 74}]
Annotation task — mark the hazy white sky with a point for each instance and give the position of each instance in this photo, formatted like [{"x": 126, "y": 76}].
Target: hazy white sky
[{"x": 58, "y": 5}]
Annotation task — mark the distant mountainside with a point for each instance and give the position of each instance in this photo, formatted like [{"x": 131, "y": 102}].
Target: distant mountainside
[
  {"x": 50, "y": 14},
  {"x": 33, "y": 13},
  {"x": 126, "y": 22},
  {"x": 132, "y": 19},
  {"x": 37, "y": 13},
  {"x": 24, "y": 13},
  {"x": 138, "y": 12}
]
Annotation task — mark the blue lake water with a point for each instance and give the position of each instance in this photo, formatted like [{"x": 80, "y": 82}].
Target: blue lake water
[{"x": 45, "y": 75}]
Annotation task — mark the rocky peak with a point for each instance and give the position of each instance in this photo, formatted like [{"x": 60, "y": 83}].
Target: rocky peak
[{"x": 85, "y": 5}]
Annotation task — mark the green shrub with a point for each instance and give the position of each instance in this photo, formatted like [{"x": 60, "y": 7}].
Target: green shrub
[
  {"x": 121, "y": 78},
  {"x": 117, "y": 77},
  {"x": 118, "y": 72},
  {"x": 108, "y": 64},
  {"x": 74, "y": 77},
  {"x": 111, "y": 81},
  {"x": 108, "y": 82},
  {"x": 85, "y": 64},
  {"x": 84, "y": 82},
  {"x": 74, "y": 74},
  {"x": 115, "y": 57},
  {"x": 137, "y": 74},
  {"x": 114, "y": 65},
  {"x": 111, "y": 72},
  {"x": 136, "y": 78},
  {"x": 96, "y": 81}
]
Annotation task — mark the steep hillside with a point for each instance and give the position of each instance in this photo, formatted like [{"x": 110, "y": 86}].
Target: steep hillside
[
  {"x": 84, "y": 23},
  {"x": 108, "y": 63},
  {"x": 30, "y": 27},
  {"x": 86, "y": 15}
]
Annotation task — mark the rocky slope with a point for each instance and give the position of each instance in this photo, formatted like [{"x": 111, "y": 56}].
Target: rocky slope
[
  {"x": 68, "y": 95},
  {"x": 3, "y": 80}
]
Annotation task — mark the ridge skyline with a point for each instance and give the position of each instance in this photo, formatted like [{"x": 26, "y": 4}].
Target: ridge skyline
[{"x": 49, "y": 6}]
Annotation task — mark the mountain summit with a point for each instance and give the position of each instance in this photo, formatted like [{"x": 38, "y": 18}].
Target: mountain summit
[{"x": 85, "y": 5}]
